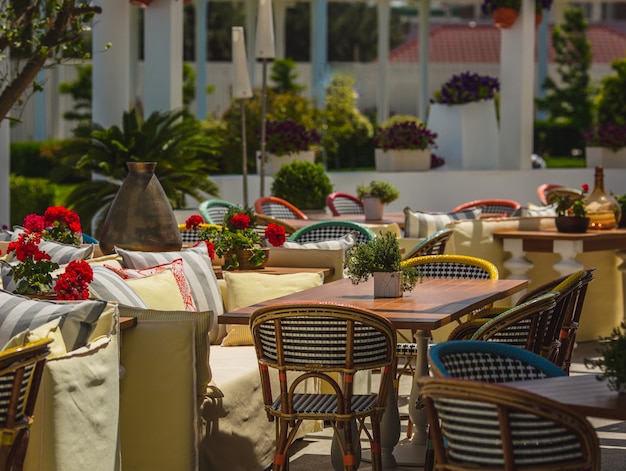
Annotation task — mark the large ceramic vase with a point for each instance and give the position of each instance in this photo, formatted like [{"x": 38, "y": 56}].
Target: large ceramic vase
[{"x": 140, "y": 217}]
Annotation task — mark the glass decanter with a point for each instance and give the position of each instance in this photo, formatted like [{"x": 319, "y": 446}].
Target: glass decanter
[{"x": 603, "y": 210}]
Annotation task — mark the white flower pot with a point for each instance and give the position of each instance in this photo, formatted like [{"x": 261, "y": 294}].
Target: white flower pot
[
  {"x": 402, "y": 160},
  {"x": 468, "y": 137},
  {"x": 373, "y": 208},
  {"x": 605, "y": 157},
  {"x": 273, "y": 163},
  {"x": 388, "y": 284}
]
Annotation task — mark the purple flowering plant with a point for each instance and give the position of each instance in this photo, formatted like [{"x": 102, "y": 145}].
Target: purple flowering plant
[
  {"x": 404, "y": 135},
  {"x": 465, "y": 88},
  {"x": 288, "y": 137},
  {"x": 610, "y": 135}
]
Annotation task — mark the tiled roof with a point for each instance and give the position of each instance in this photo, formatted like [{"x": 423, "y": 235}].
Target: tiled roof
[{"x": 481, "y": 43}]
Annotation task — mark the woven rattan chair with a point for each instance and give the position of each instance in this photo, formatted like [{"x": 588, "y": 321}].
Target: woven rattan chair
[
  {"x": 192, "y": 236},
  {"x": 434, "y": 244},
  {"x": 477, "y": 425},
  {"x": 329, "y": 230},
  {"x": 552, "y": 335},
  {"x": 305, "y": 341},
  {"x": 491, "y": 207},
  {"x": 21, "y": 370},
  {"x": 542, "y": 191},
  {"x": 213, "y": 211},
  {"x": 278, "y": 208},
  {"x": 342, "y": 204}
]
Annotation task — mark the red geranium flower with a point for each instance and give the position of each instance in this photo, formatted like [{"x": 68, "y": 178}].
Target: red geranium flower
[
  {"x": 34, "y": 223},
  {"x": 73, "y": 283},
  {"x": 275, "y": 234},
  {"x": 194, "y": 221},
  {"x": 240, "y": 221},
  {"x": 32, "y": 274}
]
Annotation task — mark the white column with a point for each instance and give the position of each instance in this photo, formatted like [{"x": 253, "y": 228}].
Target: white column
[
  {"x": 383, "y": 60},
  {"x": 111, "y": 76},
  {"x": 250, "y": 27},
  {"x": 163, "y": 52},
  {"x": 201, "y": 58},
  {"x": 424, "y": 15},
  {"x": 596, "y": 12},
  {"x": 5, "y": 161},
  {"x": 517, "y": 80}
]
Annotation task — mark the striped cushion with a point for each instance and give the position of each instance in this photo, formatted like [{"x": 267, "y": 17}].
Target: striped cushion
[
  {"x": 18, "y": 313},
  {"x": 421, "y": 224},
  {"x": 109, "y": 286},
  {"x": 198, "y": 269},
  {"x": 343, "y": 243}
]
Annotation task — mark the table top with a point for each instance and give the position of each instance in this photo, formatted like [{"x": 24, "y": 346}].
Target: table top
[
  {"x": 432, "y": 304},
  {"x": 543, "y": 241},
  {"x": 584, "y": 393}
]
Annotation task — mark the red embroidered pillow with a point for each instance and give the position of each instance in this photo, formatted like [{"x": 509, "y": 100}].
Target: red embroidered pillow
[{"x": 177, "y": 269}]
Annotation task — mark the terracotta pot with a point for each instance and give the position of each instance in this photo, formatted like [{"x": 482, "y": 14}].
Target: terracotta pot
[
  {"x": 141, "y": 3},
  {"x": 243, "y": 257},
  {"x": 504, "y": 17},
  {"x": 373, "y": 208},
  {"x": 572, "y": 225}
]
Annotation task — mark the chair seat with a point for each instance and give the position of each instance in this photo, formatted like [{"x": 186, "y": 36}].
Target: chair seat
[{"x": 320, "y": 404}]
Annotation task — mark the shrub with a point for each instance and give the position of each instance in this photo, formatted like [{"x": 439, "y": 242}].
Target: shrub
[
  {"x": 303, "y": 184},
  {"x": 29, "y": 195}
]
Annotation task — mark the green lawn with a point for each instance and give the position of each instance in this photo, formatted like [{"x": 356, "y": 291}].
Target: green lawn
[{"x": 565, "y": 162}]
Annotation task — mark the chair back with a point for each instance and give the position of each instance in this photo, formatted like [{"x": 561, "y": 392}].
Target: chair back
[
  {"x": 453, "y": 266},
  {"x": 192, "y": 236},
  {"x": 434, "y": 244},
  {"x": 213, "y": 211},
  {"x": 329, "y": 230},
  {"x": 491, "y": 207},
  {"x": 573, "y": 193},
  {"x": 542, "y": 191},
  {"x": 342, "y": 204},
  {"x": 478, "y": 425},
  {"x": 492, "y": 362},
  {"x": 277, "y": 208},
  {"x": 21, "y": 370}
]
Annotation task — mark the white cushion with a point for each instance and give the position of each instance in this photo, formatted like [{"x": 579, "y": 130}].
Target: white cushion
[
  {"x": 422, "y": 224},
  {"x": 343, "y": 243}
]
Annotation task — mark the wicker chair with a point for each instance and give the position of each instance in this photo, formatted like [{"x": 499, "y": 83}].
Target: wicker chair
[
  {"x": 477, "y": 425},
  {"x": 303, "y": 341},
  {"x": 542, "y": 190},
  {"x": 192, "y": 236},
  {"x": 21, "y": 370},
  {"x": 434, "y": 244},
  {"x": 343, "y": 204},
  {"x": 277, "y": 208},
  {"x": 329, "y": 230},
  {"x": 213, "y": 211},
  {"x": 491, "y": 207},
  {"x": 563, "y": 191}
]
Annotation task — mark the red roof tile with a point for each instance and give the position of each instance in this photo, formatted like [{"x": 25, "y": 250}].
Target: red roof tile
[{"x": 481, "y": 43}]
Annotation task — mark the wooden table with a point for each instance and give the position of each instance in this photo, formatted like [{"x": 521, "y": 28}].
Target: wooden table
[
  {"x": 583, "y": 393},
  {"x": 431, "y": 305},
  {"x": 566, "y": 245}
]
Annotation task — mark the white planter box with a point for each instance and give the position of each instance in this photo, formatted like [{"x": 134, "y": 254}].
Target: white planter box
[
  {"x": 604, "y": 157},
  {"x": 402, "y": 160},
  {"x": 468, "y": 137},
  {"x": 274, "y": 163}
]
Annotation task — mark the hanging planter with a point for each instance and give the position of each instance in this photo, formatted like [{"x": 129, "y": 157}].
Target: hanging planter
[{"x": 504, "y": 17}]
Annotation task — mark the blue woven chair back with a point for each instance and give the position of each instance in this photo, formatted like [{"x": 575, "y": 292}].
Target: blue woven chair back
[
  {"x": 213, "y": 211},
  {"x": 330, "y": 230},
  {"x": 434, "y": 244}
]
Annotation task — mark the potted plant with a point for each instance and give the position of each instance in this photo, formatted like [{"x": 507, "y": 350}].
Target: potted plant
[
  {"x": 571, "y": 212},
  {"x": 288, "y": 141},
  {"x": 381, "y": 258},
  {"x": 463, "y": 114},
  {"x": 505, "y": 12},
  {"x": 403, "y": 143},
  {"x": 375, "y": 195},
  {"x": 238, "y": 240},
  {"x": 612, "y": 360},
  {"x": 606, "y": 145}
]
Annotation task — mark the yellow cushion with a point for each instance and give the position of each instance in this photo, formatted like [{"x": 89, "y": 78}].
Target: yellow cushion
[
  {"x": 245, "y": 289},
  {"x": 159, "y": 291}
]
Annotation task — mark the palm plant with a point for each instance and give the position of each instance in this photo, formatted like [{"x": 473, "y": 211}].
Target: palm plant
[{"x": 184, "y": 152}]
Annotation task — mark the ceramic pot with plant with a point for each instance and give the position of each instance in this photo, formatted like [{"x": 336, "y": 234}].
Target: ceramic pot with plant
[
  {"x": 612, "y": 359},
  {"x": 381, "y": 259},
  {"x": 375, "y": 195},
  {"x": 571, "y": 211},
  {"x": 404, "y": 143}
]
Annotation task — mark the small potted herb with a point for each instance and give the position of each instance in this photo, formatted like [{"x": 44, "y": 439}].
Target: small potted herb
[
  {"x": 403, "y": 143},
  {"x": 612, "y": 360},
  {"x": 381, "y": 258},
  {"x": 571, "y": 212},
  {"x": 375, "y": 195}
]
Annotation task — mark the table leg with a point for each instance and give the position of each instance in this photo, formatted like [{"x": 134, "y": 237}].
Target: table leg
[
  {"x": 518, "y": 265},
  {"x": 411, "y": 452},
  {"x": 568, "y": 251}
]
